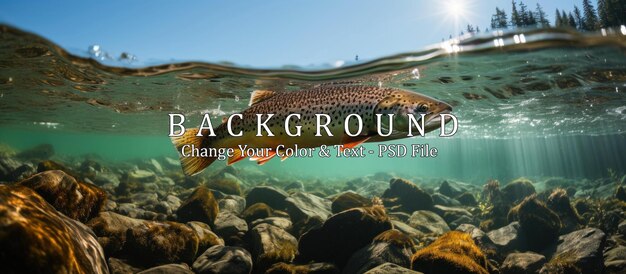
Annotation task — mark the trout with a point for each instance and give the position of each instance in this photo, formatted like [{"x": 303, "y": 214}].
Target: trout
[{"x": 337, "y": 101}]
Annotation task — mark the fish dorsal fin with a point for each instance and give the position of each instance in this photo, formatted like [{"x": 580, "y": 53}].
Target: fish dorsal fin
[
  {"x": 260, "y": 95},
  {"x": 352, "y": 142}
]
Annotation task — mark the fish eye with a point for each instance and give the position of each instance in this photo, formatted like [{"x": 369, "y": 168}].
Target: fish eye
[{"x": 422, "y": 108}]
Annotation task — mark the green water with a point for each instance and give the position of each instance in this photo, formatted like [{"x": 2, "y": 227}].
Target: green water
[{"x": 551, "y": 107}]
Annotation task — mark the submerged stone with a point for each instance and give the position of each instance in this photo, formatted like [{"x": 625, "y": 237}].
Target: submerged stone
[
  {"x": 348, "y": 200},
  {"x": 223, "y": 259},
  {"x": 391, "y": 246},
  {"x": 199, "y": 206},
  {"x": 35, "y": 238},
  {"x": 270, "y": 245},
  {"x": 406, "y": 196},
  {"x": 343, "y": 234},
  {"x": 523, "y": 263},
  {"x": 428, "y": 222},
  {"x": 77, "y": 200}
]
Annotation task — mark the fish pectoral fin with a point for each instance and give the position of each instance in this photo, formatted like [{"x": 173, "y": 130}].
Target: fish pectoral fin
[
  {"x": 237, "y": 156},
  {"x": 260, "y": 95},
  {"x": 263, "y": 160},
  {"x": 352, "y": 142}
]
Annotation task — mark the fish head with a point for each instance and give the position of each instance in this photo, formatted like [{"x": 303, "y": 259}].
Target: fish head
[{"x": 403, "y": 103}]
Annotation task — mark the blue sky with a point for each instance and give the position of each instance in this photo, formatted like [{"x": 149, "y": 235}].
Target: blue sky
[{"x": 253, "y": 33}]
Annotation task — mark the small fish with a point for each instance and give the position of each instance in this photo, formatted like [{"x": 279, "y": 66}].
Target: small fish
[{"x": 336, "y": 101}]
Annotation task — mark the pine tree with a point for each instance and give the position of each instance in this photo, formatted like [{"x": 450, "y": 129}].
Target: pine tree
[
  {"x": 523, "y": 13},
  {"x": 565, "y": 18},
  {"x": 558, "y": 21},
  {"x": 470, "y": 29},
  {"x": 572, "y": 20},
  {"x": 515, "y": 17},
  {"x": 494, "y": 18},
  {"x": 578, "y": 17},
  {"x": 590, "y": 21},
  {"x": 502, "y": 20},
  {"x": 531, "y": 20},
  {"x": 541, "y": 16},
  {"x": 477, "y": 29},
  {"x": 603, "y": 14}
]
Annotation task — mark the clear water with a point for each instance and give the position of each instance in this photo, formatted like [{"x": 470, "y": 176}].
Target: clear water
[{"x": 546, "y": 103}]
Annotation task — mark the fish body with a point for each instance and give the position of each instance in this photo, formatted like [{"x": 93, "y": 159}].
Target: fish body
[{"x": 337, "y": 102}]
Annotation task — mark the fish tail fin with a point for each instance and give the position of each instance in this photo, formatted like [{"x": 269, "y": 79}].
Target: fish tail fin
[{"x": 192, "y": 165}]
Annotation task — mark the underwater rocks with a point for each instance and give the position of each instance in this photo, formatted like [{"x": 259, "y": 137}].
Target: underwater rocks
[
  {"x": 348, "y": 200},
  {"x": 405, "y": 196},
  {"x": 77, "y": 200},
  {"x": 227, "y": 184},
  {"x": 232, "y": 203},
  {"x": 206, "y": 237},
  {"x": 36, "y": 238},
  {"x": 559, "y": 202},
  {"x": 230, "y": 227},
  {"x": 151, "y": 243},
  {"x": 523, "y": 263},
  {"x": 580, "y": 250},
  {"x": 391, "y": 246},
  {"x": 271, "y": 196},
  {"x": 199, "y": 206},
  {"x": 270, "y": 245},
  {"x": 168, "y": 269},
  {"x": 539, "y": 224},
  {"x": 507, "y": 238},
  {"x": 518, "y": 189},
  {"x": 223, "y": 259},
  {"x": 615, "y": 260},
  {"x": 343, "y": 234},
  {"x": 428, "y": 222},
  {"x": 307, "y": 210},
  {"x": 454, "y": 252},
  {"x": 154, "y": 243},
  {"x": 313, "y": 268},
  {"x": 389, "y": 268},
  {"x": 450, "y": 189}
]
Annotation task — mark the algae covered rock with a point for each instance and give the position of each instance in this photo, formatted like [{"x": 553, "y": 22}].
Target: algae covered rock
[
  {"x": 343, "y": 234},
  {"x": 77, "y": 200},
  {"x": 35, "y": 238},
  {"x": 406, "y": 196},
  {"x": 391, "y": 246},
  {"x": 270, "y": 245},
  {"x": 559, "y": 202},
  {"x": 111, "y": 230},
  {"x": 518, "y": 189},
  {"x": 223, "y": 259},
  {"x": 226, "y": 184},
  {"x": 454, "y": 252},
  {"x": 154, "y": 243},
  {"x": 257, "y": 211},
  {"x": 199, "y": 206},
  {"x": 348, "y": 200},
  {"x": 539, "y": 224},
  {"x": 313, "y": 268}
]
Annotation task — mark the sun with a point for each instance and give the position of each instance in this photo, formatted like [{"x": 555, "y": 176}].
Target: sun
[{"x": 455, "y": 8}]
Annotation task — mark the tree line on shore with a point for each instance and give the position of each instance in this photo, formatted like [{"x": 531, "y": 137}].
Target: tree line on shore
[{"x": 606, "y": 13}]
